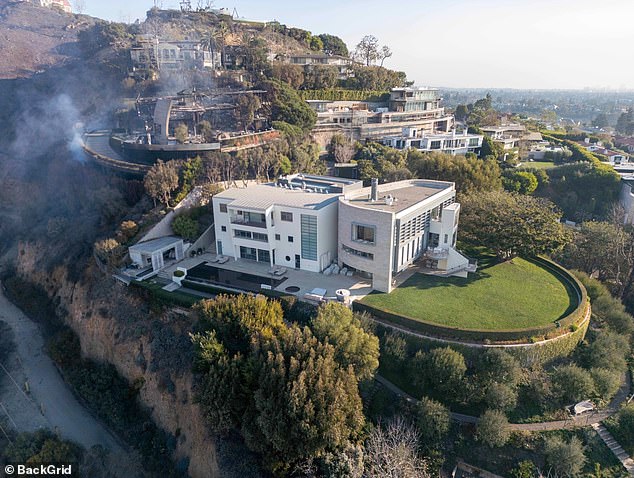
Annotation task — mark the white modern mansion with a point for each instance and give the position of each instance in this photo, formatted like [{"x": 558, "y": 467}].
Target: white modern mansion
[
  {"x": 310, "y": 222},
  {"x": 451, "y": 143}
]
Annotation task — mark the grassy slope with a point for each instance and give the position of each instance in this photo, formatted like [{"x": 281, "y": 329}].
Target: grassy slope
[{"x": 510, "y": 295}]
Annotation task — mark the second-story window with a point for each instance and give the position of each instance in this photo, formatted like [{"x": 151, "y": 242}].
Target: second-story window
[
  {"x": 287, "y": 216},
  {"x": 364, "y": 234},
  {"x": 223, "y": 207}
]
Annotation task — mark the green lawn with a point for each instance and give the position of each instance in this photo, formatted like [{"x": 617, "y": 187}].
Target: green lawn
[
  {"x": 538, "y": 164},
  {"x": 504, "y": 296}
]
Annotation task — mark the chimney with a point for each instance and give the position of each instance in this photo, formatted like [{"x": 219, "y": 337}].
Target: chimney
[{"x": 374, "y": 195}]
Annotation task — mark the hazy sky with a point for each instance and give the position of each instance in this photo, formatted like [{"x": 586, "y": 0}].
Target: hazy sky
[{"x": 461, "y": 43}]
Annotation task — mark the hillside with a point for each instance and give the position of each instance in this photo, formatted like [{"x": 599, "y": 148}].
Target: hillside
[{"x": 34, "y": 38}]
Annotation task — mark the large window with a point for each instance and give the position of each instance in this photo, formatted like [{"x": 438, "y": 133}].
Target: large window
[
  {"x": 363, "y": 234},
  {"x": 287, "y": 216},
  {"x": 434, "y": 145},
  {"x": 309, "y": 237},
  {"x": 223, "y": 207},
  {"x": 473, "y": 142},
  {"x": 365, "y": 255}
]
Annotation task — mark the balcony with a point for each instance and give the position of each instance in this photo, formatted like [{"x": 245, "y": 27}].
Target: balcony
[
  {"x": 436, "y": 253},
  {"x": 246, "y": 222}
]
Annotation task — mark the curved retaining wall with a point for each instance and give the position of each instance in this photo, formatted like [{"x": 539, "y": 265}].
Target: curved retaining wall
[{"x": 565, "y": 325}]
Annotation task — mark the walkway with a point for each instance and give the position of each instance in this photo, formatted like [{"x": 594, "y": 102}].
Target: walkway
[
  {"x": 615, "y": 448},
  {"x": 573, "y": 422}
]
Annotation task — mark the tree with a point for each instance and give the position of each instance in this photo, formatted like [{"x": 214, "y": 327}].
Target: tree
[
  {"x": 625, "y": 123},
  {"x": 246, "y": 107},
  {"x": 461, "y": 113},
  {"x": 304, "y": 403},
  {"x": 186, "y": 227},
  {"x": 236, "y": 320},
  {"x": 572, "y": 384},
  {"x": 497, "y": 366},
  {"x": 375, "y": 78},
  {"x": 522, "y": 182},
  {"x": 41, "y": 447},
  {"x": 500, "y": 396},
  {"x": 287, "y": 106},
  {"x": 433, "y": 421},
  {"x": 391, "y": 452},
  {"x": 491, "y": 149},
  {"x": 602, "y": 249},
  {"x": 181, "y": 133},
  {"x": 608, "y": 350},
  {"x": 493, "y": 429},
  {"x": 512, "y": 224},
  {"x": 316, "y": 44},
  {"x": 333, "y": 45},
  {"x": 606, "y": 382},
  {"x": 524, "y": 469},
  {"x": 320, "y": 77},
  {"x": 442, "y": 369},
  {"x": 564, "y": 458},
  {"x": 469, "y": 174},
  {"x": 206, "y": 131},
  {"x": 336, "y": 324},
  {"x": 291, "y": 74},
  {"x": 281, "y": 386},
  {"x": 161, "y": 180},
  {"x": 601, "y": 121},
  {"x": 367, "y": 50},
  {"x": 384, "y": 54}
]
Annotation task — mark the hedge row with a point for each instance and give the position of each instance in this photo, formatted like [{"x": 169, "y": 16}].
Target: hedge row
[
  {"x": 528, "y": 335},
  {"x": 345, "y": 95}
]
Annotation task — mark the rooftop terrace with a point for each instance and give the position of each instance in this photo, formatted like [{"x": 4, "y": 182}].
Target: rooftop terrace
[{"x": 404, "y": 194}]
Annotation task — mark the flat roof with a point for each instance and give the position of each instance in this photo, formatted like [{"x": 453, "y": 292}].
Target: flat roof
[
  {"x": 406, "y": 194},
  {"x": 154, "y": 245},
  {"x": 263, "y": 196}
]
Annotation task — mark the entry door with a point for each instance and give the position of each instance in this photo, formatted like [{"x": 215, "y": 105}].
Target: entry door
[
  {"x": 298, "y": 261},
  {"x": 219, "y": 251}
]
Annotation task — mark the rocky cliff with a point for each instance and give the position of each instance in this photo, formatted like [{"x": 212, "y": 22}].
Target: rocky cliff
[{"x": 148, "y": 347}]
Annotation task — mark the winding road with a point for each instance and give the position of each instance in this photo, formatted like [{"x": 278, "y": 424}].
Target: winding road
[{"x": 49, "y": 403}]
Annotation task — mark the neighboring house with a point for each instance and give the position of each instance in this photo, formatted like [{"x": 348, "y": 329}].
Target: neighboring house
[
  {"x": 415, "y": 107},
  {"x": 509, "y": 136},
  {"x": 63, "y": 5},
  {"x": 452, "y": 143},
  {"x": 307, "y": 60},
  {"x": 290, "y": 223},
  {"x": 384, "y": 229},
  {"x": 153, "y": 53},
  {"x": 544, "y": 152},
  {"x": 308, "y": 222}
]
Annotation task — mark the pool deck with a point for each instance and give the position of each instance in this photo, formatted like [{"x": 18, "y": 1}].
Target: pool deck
[{"x": 305, "y": 280}]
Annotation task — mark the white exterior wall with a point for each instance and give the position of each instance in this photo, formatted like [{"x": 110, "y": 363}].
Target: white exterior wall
[{"x": 326, "y": 235}]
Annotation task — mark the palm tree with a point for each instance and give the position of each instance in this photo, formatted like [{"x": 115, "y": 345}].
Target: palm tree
[{"x": 208, "y": 43}]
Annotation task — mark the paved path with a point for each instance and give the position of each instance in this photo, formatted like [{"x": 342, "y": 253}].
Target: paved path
[
  {"x": 581, "y": 421},
  {"x": 615, "y": 448},
  {"x": 49, "y": 403}
]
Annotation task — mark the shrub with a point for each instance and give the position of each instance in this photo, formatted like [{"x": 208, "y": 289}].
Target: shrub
[
  {"x": 571, "y": 383},
  {"x": 186, "y": 227},
  {"x": 179, "y": 273},
  {"x": 433, "y": 421},
  {"x": 499, "y": 396},
  {"x": 564, "y": 458},
  {"x": 606, "y": 382},
  {"x": 493, "y": 429}
]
